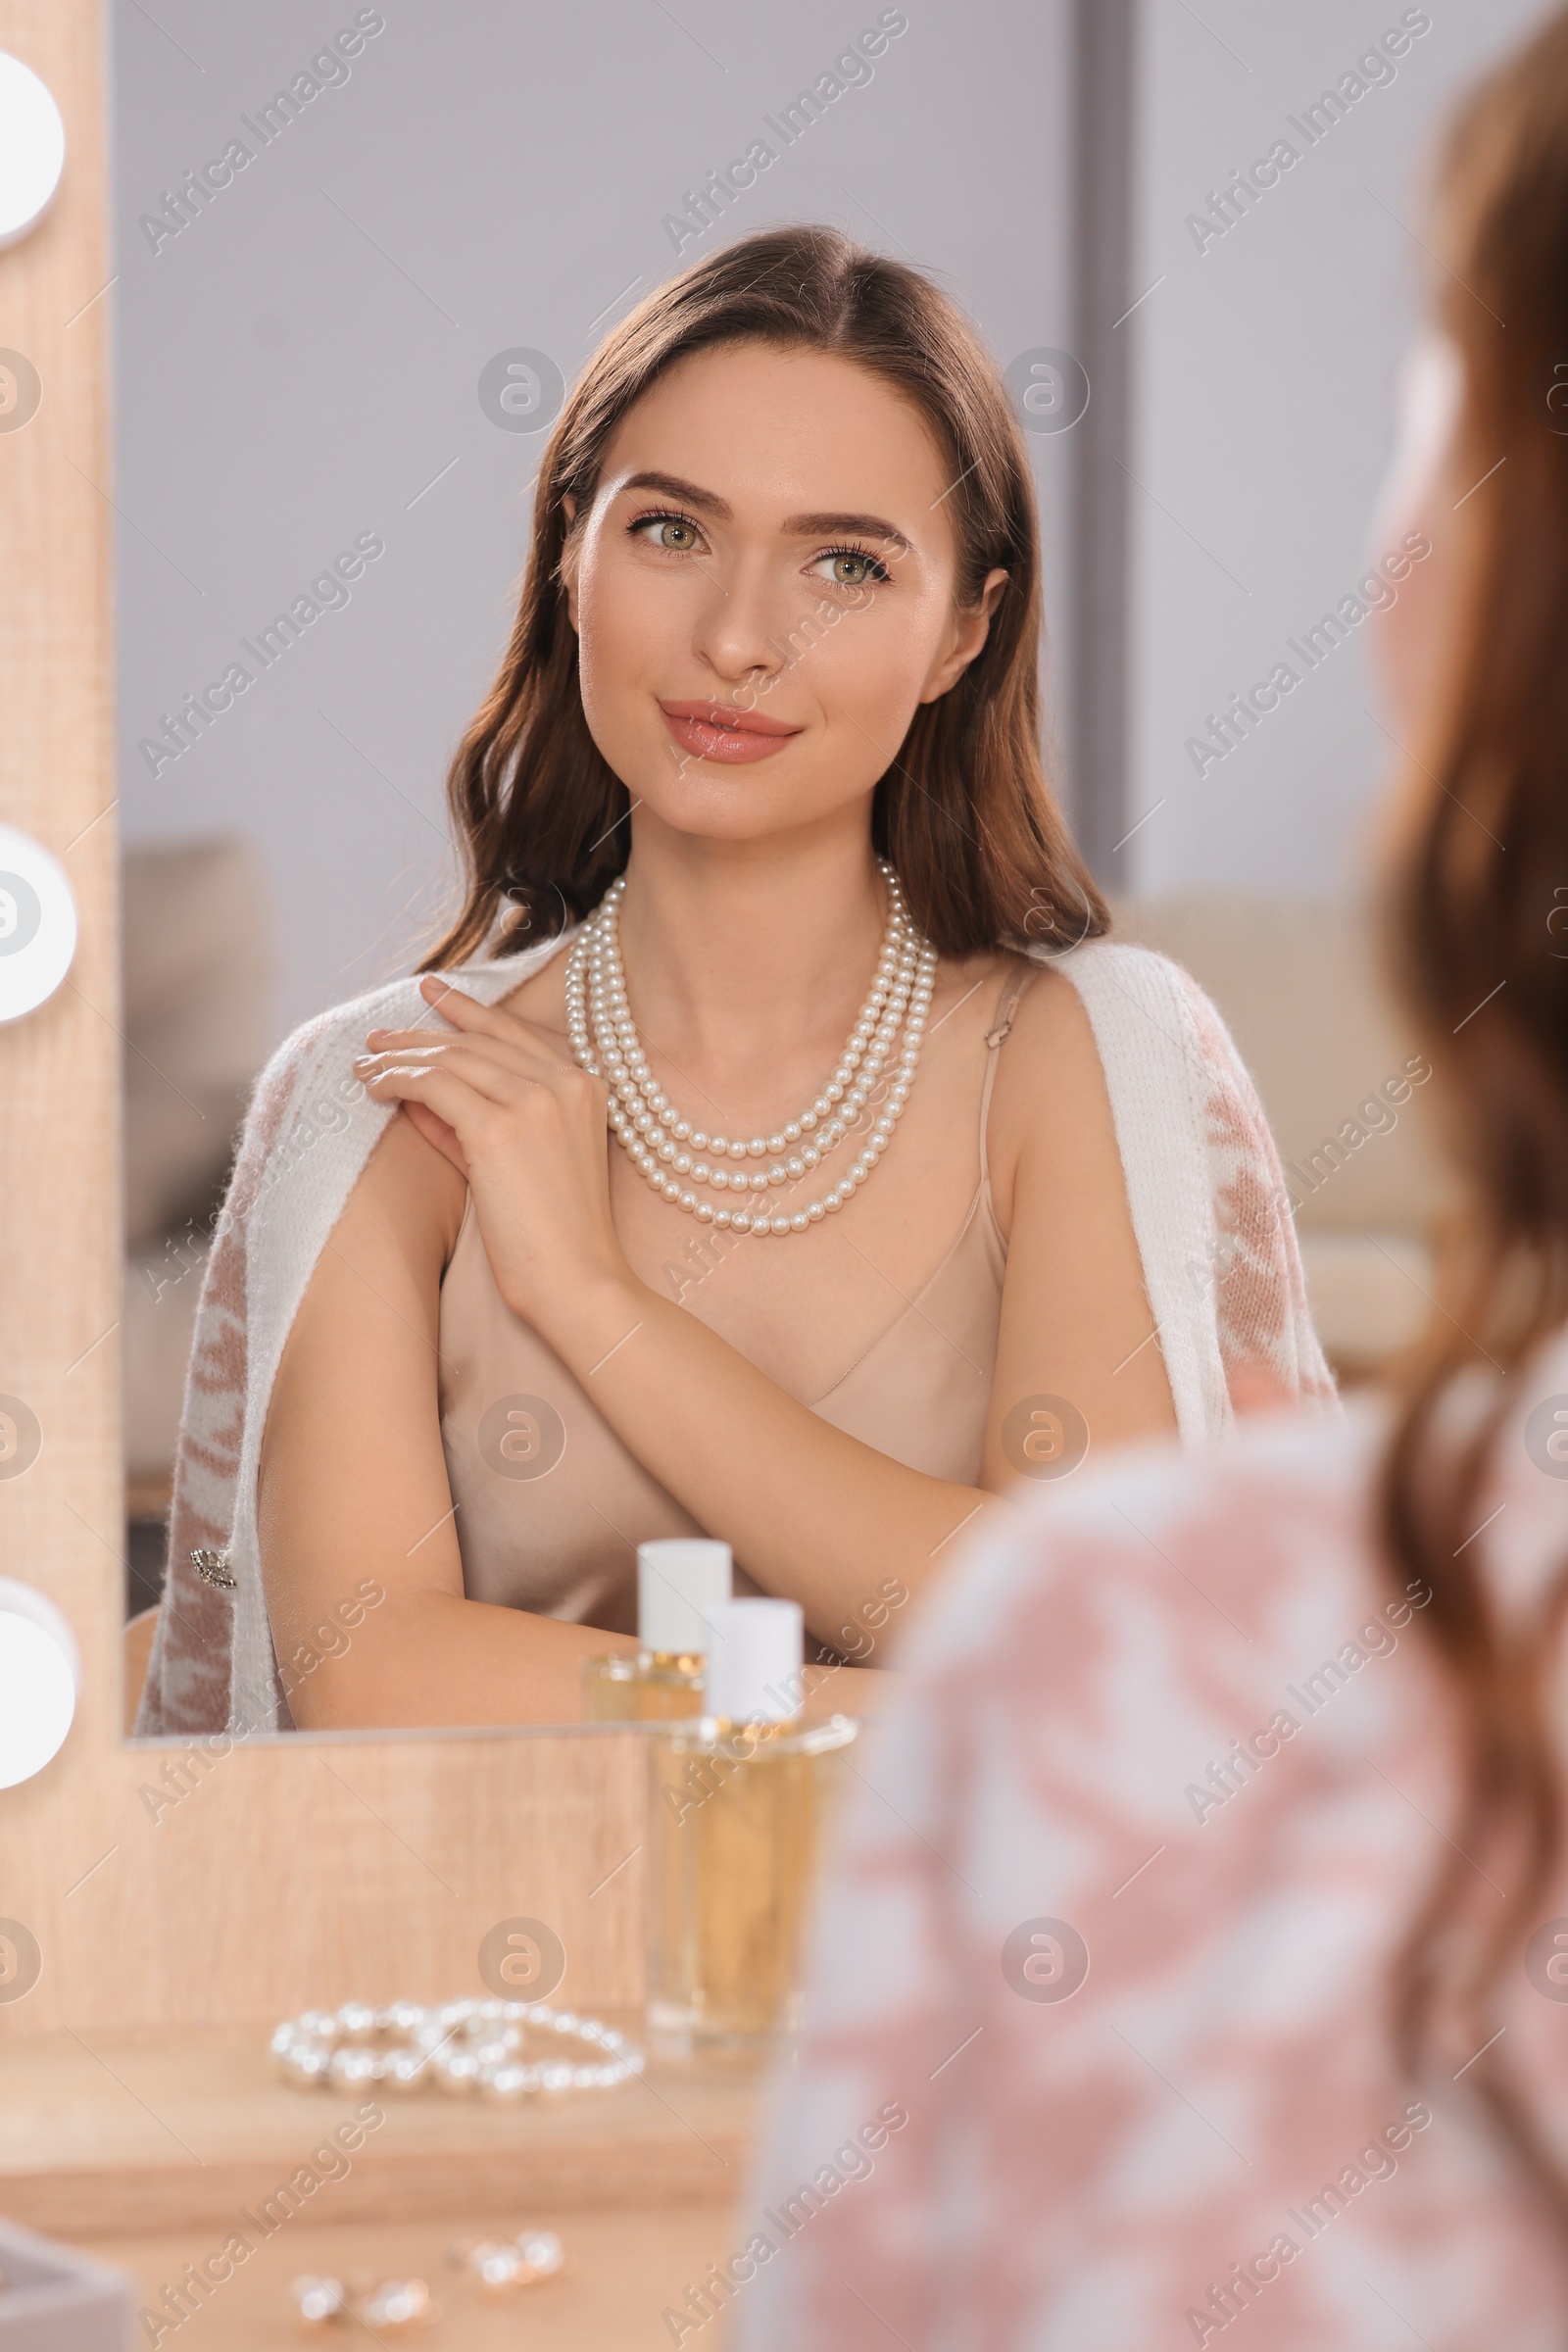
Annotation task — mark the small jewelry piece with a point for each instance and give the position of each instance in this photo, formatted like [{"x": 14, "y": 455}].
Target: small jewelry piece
[
  {"x": 391, "y": 2306},
  {"x": 212, "y": 1569},
  {"x": 674, "y": 1156},
  {"x": 501, "y": 2264},
  {"x": 317, "y": 2300},
  {"x": 463, "y": 2046},
  {"x": 396, "y": 2304}
]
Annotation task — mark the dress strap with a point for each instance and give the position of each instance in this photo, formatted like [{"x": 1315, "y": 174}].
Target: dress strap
[{"x": 1012, "y": 990}]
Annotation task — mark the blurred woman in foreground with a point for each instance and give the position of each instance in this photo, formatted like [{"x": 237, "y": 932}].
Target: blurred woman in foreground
[{"x": 1213, "y": 1935}]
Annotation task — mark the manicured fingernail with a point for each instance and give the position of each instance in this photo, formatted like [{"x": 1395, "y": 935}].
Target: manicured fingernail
[{"x": 362, "y": 1061}]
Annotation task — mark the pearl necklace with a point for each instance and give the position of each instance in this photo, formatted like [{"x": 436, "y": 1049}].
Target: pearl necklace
[
  {"x": 463, "y": 2046},
  {"x": 673, "y": 1155}
]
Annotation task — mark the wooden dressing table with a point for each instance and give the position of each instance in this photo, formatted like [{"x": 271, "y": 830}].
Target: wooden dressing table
[{"x": 149, "y": 2148}]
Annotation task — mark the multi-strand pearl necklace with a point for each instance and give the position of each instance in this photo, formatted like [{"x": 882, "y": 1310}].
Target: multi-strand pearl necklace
[
  {"x": 675, "y": 1157},
  {"x": 461, "y": 2047}
]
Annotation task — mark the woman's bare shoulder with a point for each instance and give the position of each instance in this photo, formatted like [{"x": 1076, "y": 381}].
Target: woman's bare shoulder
[
  {"x": 409, "y": 1198},
  {"x": 1049, "y": 1096}
]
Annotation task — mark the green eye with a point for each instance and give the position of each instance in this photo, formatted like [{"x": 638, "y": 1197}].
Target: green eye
[
  {"x": 674, "y": 534},
  {"x": 852, "y": 566}
]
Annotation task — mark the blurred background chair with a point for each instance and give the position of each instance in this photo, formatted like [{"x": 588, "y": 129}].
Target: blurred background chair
[{"x": 1298, "y": 982}]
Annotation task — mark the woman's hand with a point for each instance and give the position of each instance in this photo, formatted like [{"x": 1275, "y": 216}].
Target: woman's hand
[{"x": 529, "y": 1132}]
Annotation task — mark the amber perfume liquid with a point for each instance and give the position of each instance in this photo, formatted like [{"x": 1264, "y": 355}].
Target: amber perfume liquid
[
  {"x": 648, "y": 1686},
  {"x": 738, "y": 1814}
]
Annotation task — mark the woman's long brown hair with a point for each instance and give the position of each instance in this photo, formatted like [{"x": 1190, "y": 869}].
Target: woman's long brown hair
[
  {"x": 964, "y": 810},
  {"x": 1475, "y": 901}
]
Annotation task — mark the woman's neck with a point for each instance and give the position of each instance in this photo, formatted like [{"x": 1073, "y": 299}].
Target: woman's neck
[{"x": 736, "y": 950}]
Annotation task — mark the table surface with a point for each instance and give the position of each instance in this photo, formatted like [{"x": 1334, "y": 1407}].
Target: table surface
[
  {"x": 626, "y": 2269},
  {"x": 114, "y": 2135}
]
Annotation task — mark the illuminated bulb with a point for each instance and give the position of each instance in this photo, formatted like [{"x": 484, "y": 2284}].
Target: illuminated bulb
[{"x": 40, "y": 1672}]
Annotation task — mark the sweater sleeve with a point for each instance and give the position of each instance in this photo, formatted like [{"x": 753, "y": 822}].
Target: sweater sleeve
[{"x": 1206, "y": 1190}]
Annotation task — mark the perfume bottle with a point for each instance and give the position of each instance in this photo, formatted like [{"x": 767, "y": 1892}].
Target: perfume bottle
[
  {"x": 677, "y": 1579},
  {"x": 738, "y": 1804}
]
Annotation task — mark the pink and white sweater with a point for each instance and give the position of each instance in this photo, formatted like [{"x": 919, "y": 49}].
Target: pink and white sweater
[{"x": 1109, "y": 1930}]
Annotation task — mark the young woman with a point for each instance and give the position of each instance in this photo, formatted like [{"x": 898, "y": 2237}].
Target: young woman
[
  {"x": 1208, "y": 1983},
  {"x": 603, "y": 1232}
]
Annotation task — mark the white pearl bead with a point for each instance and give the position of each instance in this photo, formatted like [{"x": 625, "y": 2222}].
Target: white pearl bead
[
  {"x": 706, "y": 1212},
  {"x": 757, "y": 1147}
]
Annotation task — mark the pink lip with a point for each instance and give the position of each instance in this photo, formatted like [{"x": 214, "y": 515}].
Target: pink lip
[{"x": 720, "y": 731}]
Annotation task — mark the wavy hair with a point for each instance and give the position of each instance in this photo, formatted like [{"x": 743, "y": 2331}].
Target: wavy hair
[
  {"x": 963, "y": 811},
  {"x": 1470, "y": 902}
]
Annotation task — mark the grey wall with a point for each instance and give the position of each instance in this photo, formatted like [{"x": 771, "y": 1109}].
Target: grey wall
[
  {"x": 1264, "y": 365},
  {"x": 300, "y": 363}
]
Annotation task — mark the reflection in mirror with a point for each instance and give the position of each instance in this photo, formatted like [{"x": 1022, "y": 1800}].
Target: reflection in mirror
[
  {"x": 738, "y": 1113},
  {"x": 403, "y": 1409}
]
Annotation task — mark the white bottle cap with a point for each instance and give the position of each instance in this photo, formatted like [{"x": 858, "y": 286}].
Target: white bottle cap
[
  {"x": 754, "y": 1661},
  {"x": 677, "y": 1579}
]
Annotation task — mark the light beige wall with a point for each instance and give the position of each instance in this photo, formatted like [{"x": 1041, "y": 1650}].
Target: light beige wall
[{"x": 287, "y": 1876}]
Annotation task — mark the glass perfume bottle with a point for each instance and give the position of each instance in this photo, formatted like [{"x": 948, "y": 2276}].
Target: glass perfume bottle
[
  {"x": 738, "y": 1804},
  {"x": 677, "y": 1579}
]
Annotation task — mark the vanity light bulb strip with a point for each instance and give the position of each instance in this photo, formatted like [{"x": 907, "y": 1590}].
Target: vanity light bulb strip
[
  {"x": 461, "y": 2046},
  {"x": 676, "y": 1157}
]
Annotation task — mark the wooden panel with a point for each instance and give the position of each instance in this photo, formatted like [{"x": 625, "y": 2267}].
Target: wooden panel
[
  {"x": 285, "y": 1875},
  {"x": 125, "y": 2133}
]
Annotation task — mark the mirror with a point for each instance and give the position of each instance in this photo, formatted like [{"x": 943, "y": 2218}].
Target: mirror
[
  {"x": 357, "y": 277},
  {"x": 361, "y": 295}
]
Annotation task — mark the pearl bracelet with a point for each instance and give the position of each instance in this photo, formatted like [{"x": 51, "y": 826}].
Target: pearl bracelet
[{"x": 464, "y": 2046}]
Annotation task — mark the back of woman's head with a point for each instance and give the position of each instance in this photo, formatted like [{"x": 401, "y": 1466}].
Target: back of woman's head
[
  {"x": 1477, "y": 908},
  {"x": 964, "y": 810}
]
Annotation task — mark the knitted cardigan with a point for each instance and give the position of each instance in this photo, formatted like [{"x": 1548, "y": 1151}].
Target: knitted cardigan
[{"x": 1209, "y": 1211}]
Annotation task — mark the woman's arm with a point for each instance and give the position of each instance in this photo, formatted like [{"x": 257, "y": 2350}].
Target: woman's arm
[
  {"x": 812, "y": 1511},
  {"x": 354, "y": 1502},
  {"x": 353, "y": 1489}
]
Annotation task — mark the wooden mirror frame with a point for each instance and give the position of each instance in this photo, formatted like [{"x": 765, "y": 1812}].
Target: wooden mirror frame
[{"x": 283, "y": 1875}]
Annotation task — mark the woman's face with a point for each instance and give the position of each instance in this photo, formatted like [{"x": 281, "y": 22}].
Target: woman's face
[
  {"x": 763, "y": 590},
  {"x": 1417, "y": 500}
]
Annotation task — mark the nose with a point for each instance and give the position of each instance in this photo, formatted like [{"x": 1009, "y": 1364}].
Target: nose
[{"x": 737, "y": 633}]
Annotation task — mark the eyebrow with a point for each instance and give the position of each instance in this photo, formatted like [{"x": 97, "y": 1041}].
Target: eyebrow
[{"x": 869, "y": 526}]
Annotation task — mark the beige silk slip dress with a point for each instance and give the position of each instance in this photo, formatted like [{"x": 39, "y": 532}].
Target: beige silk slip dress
[{"x": 551, "y": 1505}]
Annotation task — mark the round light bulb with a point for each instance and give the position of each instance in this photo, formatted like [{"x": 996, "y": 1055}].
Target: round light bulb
[
  {"x": 32, "y": 149},
  {"x": 37, "y": 923},
  {"x": 40, "y": 1674}
]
